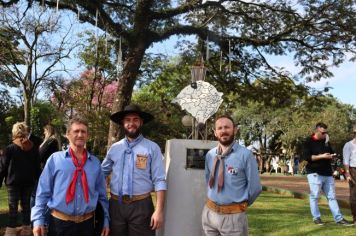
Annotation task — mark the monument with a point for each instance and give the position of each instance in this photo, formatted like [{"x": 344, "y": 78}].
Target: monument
[{"x": 185, "y": 160}]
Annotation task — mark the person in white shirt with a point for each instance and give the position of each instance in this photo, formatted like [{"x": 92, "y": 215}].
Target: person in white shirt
[{"x": 349, "y": 154}]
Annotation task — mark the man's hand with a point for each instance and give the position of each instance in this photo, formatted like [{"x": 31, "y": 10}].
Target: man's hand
[
  {"x": 348, "y": 178},
  {"x": 39, "y": 230},
  {"x": 156, "y": 220},
  {"x": 105, "y": 231}
]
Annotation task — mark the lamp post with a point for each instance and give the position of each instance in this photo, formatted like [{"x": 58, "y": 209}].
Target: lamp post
[{"x": 198, "y": 72}]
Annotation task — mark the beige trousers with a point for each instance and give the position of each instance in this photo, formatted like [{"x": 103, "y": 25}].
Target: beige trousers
[{"x": 215, "y": 224}]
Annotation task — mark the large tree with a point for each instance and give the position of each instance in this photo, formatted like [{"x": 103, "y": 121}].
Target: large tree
[
  {"x": 38, "y": 44},
  {"x": 316, "y": 33}
]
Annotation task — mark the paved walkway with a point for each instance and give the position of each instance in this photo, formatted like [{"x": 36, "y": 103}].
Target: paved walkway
[{"x": 298, "y": 187}]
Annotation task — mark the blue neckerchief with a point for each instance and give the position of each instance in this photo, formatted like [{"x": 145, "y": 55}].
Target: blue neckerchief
[{"x": 129, "y": 154}]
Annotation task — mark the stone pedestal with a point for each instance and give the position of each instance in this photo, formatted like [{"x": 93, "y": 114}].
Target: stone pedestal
[{"x": 186, "y": 193}]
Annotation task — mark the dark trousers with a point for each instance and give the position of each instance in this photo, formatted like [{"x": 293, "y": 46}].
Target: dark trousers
[
  {"x": 131, "y": 219},
  {"x": 18, "y": 194},
  {"x": 352, "y": 185},
  {"x": 59, "y": 227}
]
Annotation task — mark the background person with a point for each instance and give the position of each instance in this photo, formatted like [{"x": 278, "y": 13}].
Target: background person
[
  {"x": 349, "y": 154},
  {"x": 233, "y": 183},
  {"x": 20, "y": 167},
  {"x": 136, "y": 168},
  {"x": 319, "y": 154},
  {"x": 50, "y": 144}
]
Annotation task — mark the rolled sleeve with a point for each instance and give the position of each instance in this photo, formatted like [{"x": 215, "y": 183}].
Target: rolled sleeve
[
  {"x": 158, "y": 172},
  {"x": 107, "y": 164},
  {"x": 346, "y": 153}
]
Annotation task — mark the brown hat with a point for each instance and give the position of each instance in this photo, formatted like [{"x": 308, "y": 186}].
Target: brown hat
[{"x": 119, "y": 116}]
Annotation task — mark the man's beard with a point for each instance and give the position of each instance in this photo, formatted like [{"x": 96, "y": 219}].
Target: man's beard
[
  {"x": 228, "y": 141},
  {"x": 133, "y": 135}
]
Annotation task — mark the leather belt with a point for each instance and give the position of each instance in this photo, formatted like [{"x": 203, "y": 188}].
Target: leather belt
[
  {"x": 77, "y": 219},
  {"x": 227, "y": 209},
  {"x": 127, "y": 199}
]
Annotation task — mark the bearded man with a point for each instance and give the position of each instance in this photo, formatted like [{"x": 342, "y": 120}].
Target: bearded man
[
  {"x": 136, "y": 167},
  {"x": 233, "y": 183}
]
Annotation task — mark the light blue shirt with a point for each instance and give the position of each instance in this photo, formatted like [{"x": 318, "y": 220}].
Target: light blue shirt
[
  {"x": 241, "y": 177},
  {"x": 53, "y": 184},
  {"x": 349, "y": 153},
  {"x": 146, "y": 177}
]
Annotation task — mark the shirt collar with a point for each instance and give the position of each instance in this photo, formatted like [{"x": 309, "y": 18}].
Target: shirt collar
[
  {"x": 234, "y": 147},
  {"x": 67, "y": 155}
]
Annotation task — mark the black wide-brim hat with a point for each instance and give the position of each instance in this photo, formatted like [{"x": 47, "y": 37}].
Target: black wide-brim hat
[{"x": 119, "y": 116}]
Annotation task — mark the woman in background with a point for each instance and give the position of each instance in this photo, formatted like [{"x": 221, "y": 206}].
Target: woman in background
[
  {"x": 49, "y": 145},
  {"x": 21, "y": 169}
]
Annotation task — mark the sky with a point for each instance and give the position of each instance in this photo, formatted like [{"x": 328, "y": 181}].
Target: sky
[{"x": 343, "y": 84}]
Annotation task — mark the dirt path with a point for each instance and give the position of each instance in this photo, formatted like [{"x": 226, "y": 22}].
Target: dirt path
[{"x": 300, "y": 184}]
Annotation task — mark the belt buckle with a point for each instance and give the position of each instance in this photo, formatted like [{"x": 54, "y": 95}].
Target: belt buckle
[{"x": 126, "y": 199}]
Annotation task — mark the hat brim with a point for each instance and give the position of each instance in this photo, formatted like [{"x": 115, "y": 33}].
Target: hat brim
[{"x": 119, "y": 116}]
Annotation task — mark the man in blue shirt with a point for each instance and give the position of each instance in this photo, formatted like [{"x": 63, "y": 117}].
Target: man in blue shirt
[
  {"x": 71, "y": 186},
  {"x": 136, "y": 168},
  {"x": 233, "y": 183}
]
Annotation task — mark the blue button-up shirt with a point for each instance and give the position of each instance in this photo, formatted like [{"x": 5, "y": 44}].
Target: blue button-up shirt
[
  {"x": 149, "y": 177},
  {"x": 241, "y": 177},
  {"x": 53, "y": 184}
]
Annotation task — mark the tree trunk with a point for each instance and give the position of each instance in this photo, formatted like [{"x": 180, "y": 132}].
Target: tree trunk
[
  {"x": 27, "y": 108},
  {"x": 125, "y": 87}
]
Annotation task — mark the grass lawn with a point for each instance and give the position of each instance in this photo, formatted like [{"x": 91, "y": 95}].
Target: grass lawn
[{"x": 274, "y": 214}]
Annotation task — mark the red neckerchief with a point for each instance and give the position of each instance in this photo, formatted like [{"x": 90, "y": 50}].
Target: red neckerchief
[
  {"x": 71, "y": 188},
  {"x": 313, "y": 137}
]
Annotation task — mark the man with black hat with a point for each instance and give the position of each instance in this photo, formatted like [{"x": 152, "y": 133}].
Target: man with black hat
[{"x": 136, "y": 168}]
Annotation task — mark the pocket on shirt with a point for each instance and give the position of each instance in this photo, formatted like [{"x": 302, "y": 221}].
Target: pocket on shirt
[
  {"x": 235, "y": 174},
  {"x": 142, "y": 162}
]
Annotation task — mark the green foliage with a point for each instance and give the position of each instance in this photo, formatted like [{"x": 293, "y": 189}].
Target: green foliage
[
  {"x": 6, "y": 107},
  {"x": 43, "y": 113},
  {"x": 167, "y": 123}
]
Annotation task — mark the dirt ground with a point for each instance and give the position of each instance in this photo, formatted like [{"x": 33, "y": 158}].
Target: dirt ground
[{"x": 300, "y": 184}]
